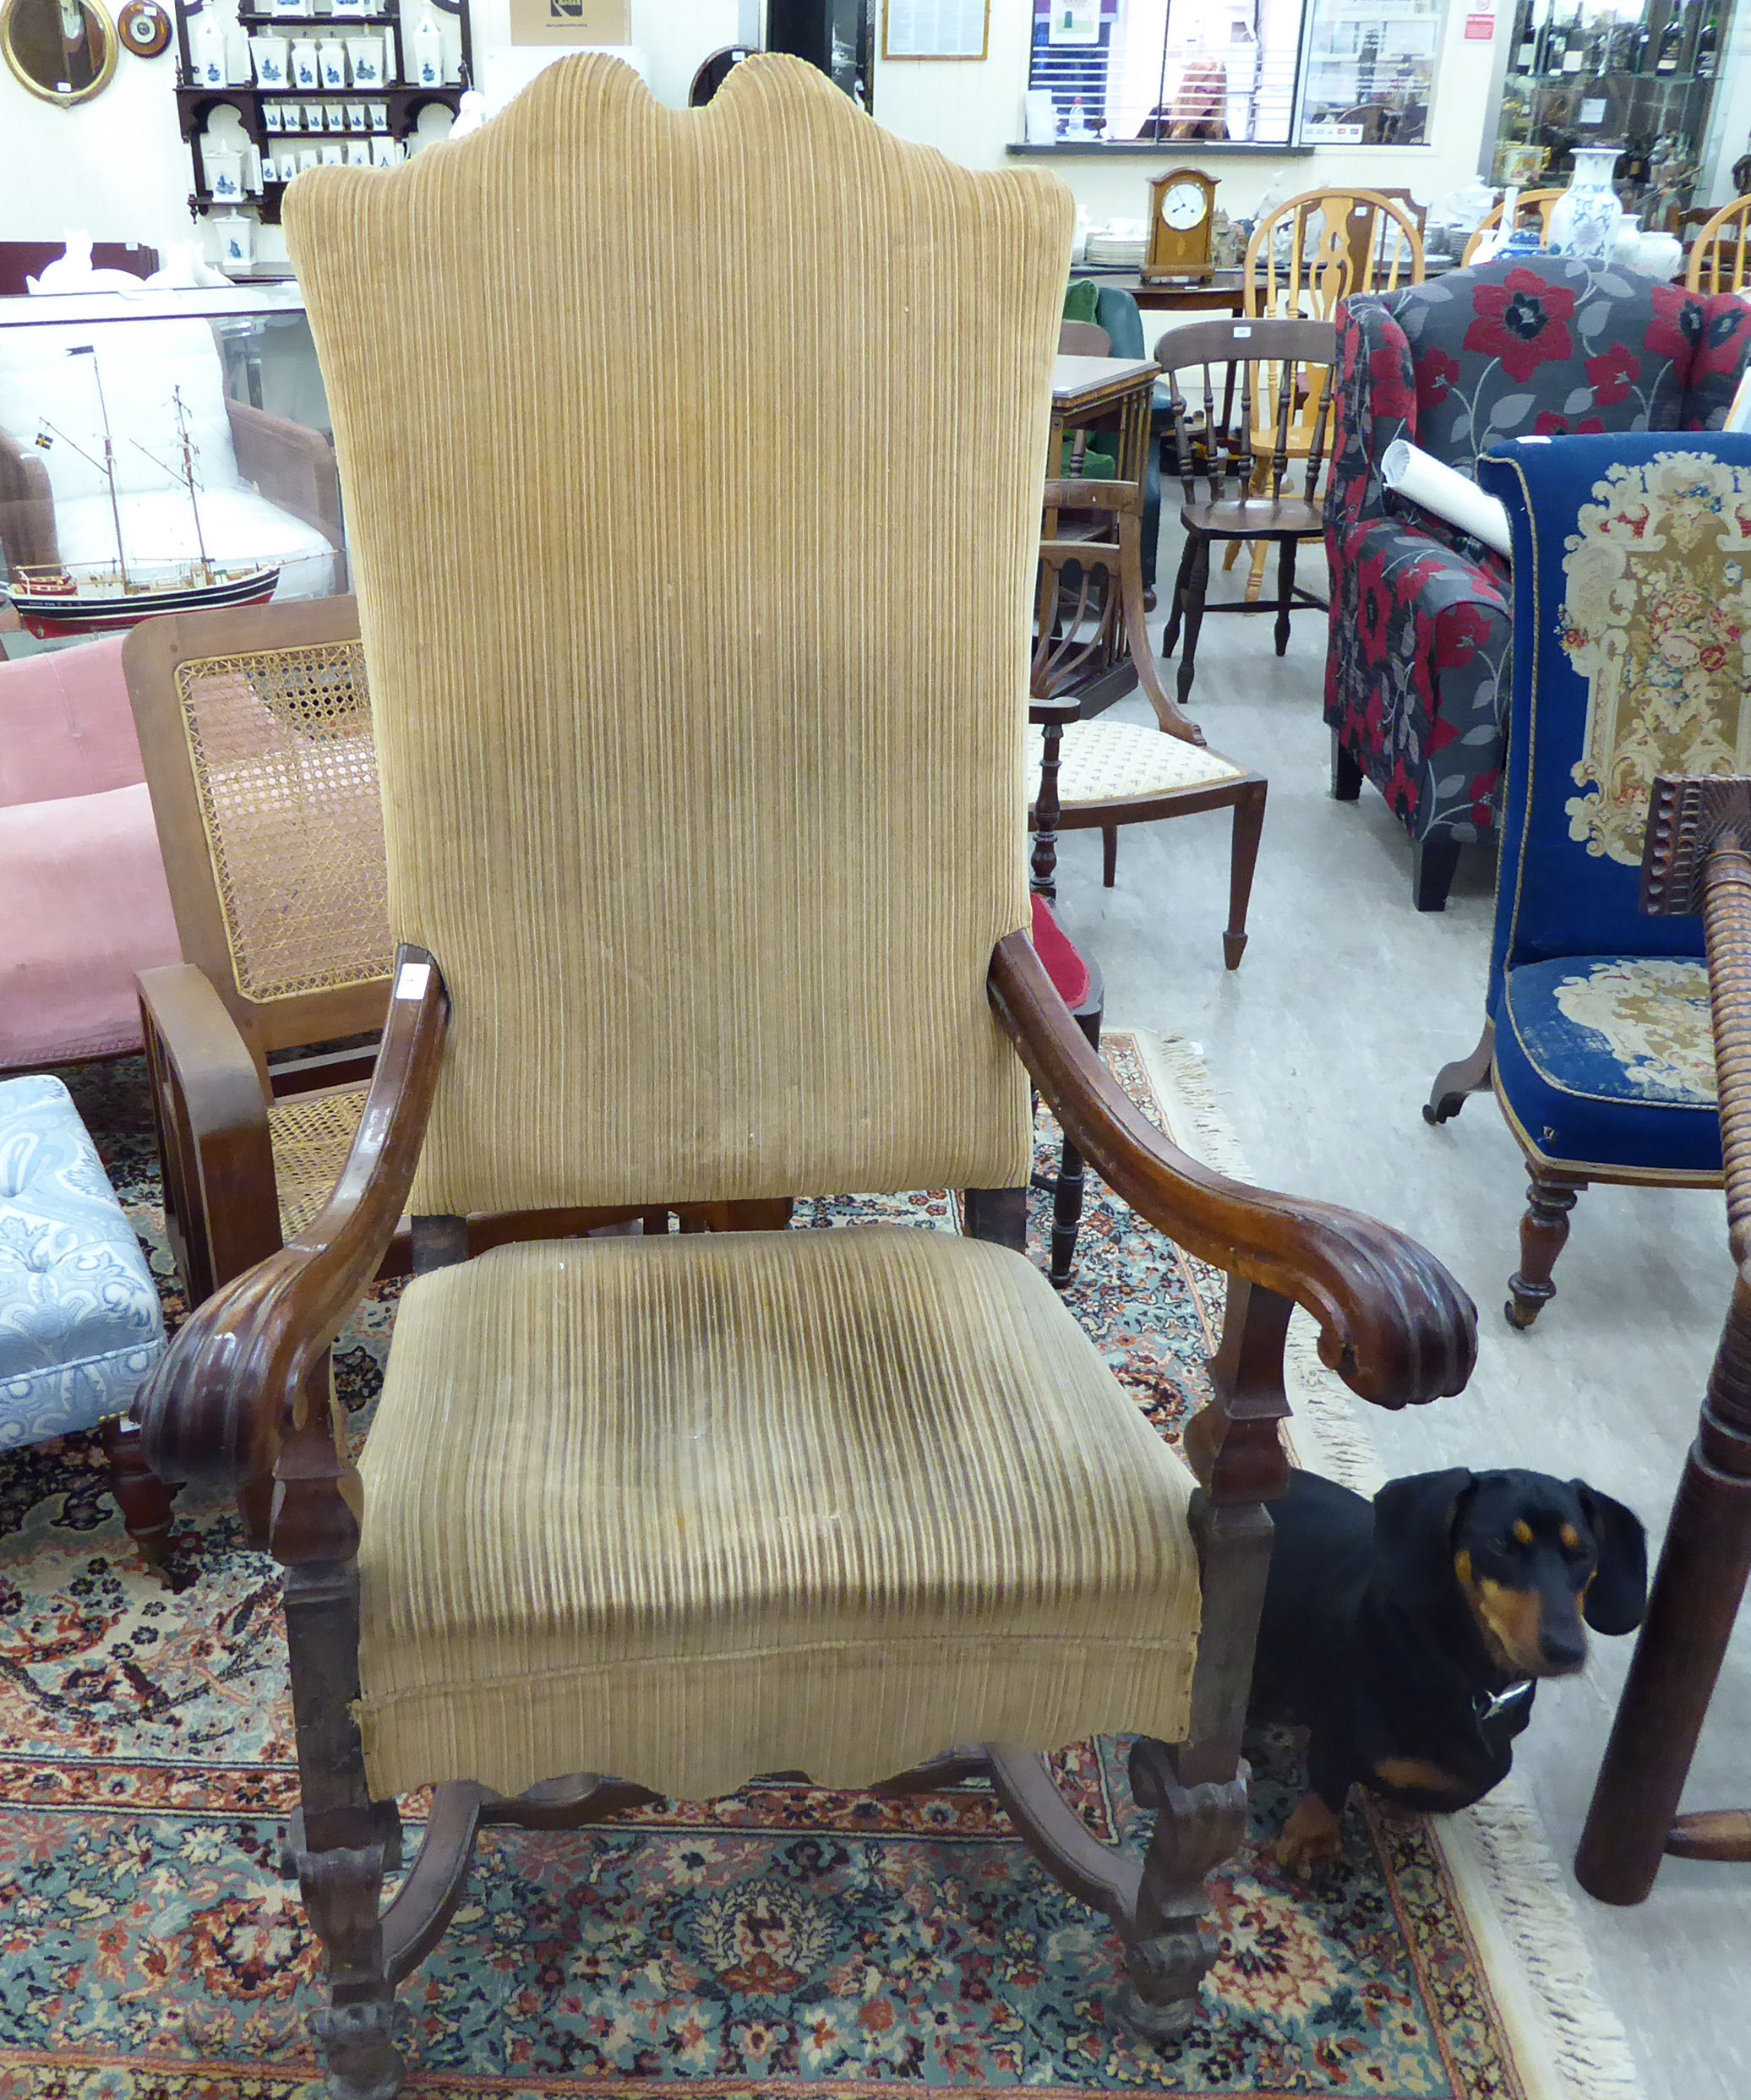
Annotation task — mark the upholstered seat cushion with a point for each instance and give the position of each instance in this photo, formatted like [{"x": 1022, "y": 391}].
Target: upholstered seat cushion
[
  {"x": 1127, "y": 761},
  {"x": 1065, "y": 967},
  {"x": 80, "y": 1323},
  {"x": 1609, "y": 1059},
  {"x": 687, "y": 1509}
]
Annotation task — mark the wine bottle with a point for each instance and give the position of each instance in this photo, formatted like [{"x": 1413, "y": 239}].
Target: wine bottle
[
  {"x": 1553, "y": 43},
  {"x": 1575, "y": 47},
  {"x": 1708, "y": 46},
  {"x": 1526, "y": 59},
  {"x": 1671, "y": 39}
]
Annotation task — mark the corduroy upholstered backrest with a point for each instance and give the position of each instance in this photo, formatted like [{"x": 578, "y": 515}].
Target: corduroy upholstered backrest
[{"x": 693, "y": 464}]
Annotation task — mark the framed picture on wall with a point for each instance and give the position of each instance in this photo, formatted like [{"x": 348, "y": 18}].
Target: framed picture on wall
[
  {"x": 939, "y": 29},
  {"x": 1075, "y": 22}
]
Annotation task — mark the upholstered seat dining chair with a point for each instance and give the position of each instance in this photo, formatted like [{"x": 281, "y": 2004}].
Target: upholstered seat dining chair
[
  {"x": 1631, "y": 583},
  {"x": 706, "y": 844},
  {"x": 1417, "y": 671}
]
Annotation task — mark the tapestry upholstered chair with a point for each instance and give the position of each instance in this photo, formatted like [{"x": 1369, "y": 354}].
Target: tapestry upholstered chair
[
  {"x": 1631, "y": 578},
  {"x": 1417, "y": 674},
  {"x": 709, "y": 876}
]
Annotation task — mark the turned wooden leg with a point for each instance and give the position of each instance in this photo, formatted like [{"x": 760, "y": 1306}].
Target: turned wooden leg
[
  {"x": 1544, "y": 1232},
  {"x": 147, "y": 1504},
  {"x": 1285, "y": 593},
  {"x": 1243, "y": 859},
  {"x": 1109, "y": 855},
  {"x": 1070, "y": 1187},
  {"x": 1694, "y": 1602},
  {"x": 343, "y": 1842},
  {"x": 1170, "y": 1947},
  {"x": 1346, "y": 774},
  {"x": 1465, "y": 1075},
  {"x": 1433, "y": 861},
  {"x": 1176, "y": 611},
  {"x": 1197, "y": 583}
]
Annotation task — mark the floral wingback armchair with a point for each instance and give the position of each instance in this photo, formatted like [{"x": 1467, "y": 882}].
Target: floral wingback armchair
[{"x": 1417, "y": 672}]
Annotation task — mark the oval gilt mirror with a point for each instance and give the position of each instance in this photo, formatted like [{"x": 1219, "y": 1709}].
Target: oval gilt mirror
[{"x": 63, "y": 50}]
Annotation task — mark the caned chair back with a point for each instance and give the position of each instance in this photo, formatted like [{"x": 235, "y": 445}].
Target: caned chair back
[
  {"x": 1284, "y": 371},
  {"x": 709, "y": 810},
  {"x": 255, "y": 730},
  {"x": 1721, "y": 258},
  {"x": 1533, "y": 202},
  {"x": 1319, "y": 248},
  {"x": 1632, "y": 581}
]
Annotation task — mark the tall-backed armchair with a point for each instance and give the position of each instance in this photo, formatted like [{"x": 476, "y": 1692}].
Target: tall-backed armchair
[
  {"x": 705, "y": 838},
  {"x": 1417, "y": 670},
  {"x": 1631, "y": 578}
]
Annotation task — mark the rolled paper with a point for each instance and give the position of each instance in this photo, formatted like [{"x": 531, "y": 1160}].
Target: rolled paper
[{"x": 1435, "y": 487}]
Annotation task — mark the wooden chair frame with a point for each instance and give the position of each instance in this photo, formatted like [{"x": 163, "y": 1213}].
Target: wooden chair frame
[
  {"x": 1542, "y": 201},
  {"x": 1301, "y": 354},
  {"x": 1697, "y": 859},
  {"x": 248, "y": 1378},
  {"x": 1724, "y": 239}
]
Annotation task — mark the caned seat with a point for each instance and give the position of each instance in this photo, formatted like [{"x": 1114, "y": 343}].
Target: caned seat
[{"x": 726, "y": 1503}]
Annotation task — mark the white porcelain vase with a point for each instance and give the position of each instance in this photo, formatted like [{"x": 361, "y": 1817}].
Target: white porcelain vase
[{"x": 1584, "y": 219}]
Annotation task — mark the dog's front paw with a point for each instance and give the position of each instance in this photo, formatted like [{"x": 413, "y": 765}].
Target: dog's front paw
[{"x": 1313, "y": 1840}]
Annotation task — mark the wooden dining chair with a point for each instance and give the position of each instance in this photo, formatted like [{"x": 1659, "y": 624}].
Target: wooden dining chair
[
  {"x": 1297, "y": 356},
  {"x": 686, "y": 1510},
  {"x": 1533, "y": 202},
  {"x": 1100, "y": 774},
  {"x": 1304, "y": 257},
  {"x": 1083, "y": 339},
  {"x": 1721, "y": 256}
]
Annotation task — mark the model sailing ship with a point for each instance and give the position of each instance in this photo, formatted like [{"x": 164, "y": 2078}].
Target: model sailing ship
[{"x": 86, "y": 598}]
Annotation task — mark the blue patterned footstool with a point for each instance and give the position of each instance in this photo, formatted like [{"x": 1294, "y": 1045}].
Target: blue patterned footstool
[{"x": 80, "y": 1323}]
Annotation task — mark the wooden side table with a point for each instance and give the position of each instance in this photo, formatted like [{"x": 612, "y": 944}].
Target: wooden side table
[{"x": 1109, "y": 397}]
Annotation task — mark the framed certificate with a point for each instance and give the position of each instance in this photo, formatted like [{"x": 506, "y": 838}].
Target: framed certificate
[{"x": 936, "y": 29}]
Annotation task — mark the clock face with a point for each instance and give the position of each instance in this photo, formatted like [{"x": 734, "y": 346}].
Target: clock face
[{"x": 1184, "y": 207}]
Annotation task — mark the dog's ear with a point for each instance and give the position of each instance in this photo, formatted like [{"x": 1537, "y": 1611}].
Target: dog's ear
[
  {"x": 1617, "y": 1595},
  {"x": 1413, "y": 1529}
]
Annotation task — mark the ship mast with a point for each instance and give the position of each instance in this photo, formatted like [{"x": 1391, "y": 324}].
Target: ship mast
[
  {"x": 206, "y": 566},
  {"x": 90, "y": 350}
]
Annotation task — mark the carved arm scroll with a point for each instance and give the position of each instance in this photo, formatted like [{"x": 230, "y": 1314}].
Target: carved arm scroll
[
  {"x": 215, "y": 1406},
  {"x": 1393, "y": 1322}
]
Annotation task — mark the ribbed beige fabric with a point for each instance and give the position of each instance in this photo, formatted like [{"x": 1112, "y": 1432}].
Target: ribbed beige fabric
[
  {"x": 693, "y": 463},
  {"x": 686, "y": 1510}
]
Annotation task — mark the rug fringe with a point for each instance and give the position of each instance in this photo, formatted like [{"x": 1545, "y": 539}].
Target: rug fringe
[{"x": 1569, "y": 2043}]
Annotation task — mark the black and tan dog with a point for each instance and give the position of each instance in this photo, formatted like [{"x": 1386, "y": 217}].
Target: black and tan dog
[{"x": 1407, "y": 1634}]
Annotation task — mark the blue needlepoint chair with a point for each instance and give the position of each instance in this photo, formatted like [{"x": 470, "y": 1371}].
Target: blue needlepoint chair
[{"x": 1632, "y": 590}]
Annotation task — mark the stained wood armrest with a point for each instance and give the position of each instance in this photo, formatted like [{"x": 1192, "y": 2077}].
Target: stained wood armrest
[
  {"x": 1393, "y": 1324},
  {"x": 239, "y": 1365}
]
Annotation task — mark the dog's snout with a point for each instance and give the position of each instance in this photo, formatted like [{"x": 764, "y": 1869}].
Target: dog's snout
[{"x": 1565, "y": 1648}]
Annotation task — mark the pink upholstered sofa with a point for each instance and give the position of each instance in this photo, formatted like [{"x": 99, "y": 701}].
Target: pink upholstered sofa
[{"x": 83, "y": 901}]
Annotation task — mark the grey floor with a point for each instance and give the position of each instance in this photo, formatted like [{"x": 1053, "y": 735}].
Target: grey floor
[{"x": 1321, "y": 1048}]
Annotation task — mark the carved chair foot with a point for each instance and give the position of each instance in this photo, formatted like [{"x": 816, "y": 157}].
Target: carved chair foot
[
  {"x": 1544, "y": 1233},
  {"x": 147, "y": 1504},
  {"x": 1463, "y": 1077},
  {"x": 358, "y": 2050},
  {"x": 1170, "y": 1945}
]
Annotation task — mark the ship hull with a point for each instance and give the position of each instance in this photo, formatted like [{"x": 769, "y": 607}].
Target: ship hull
[{"x": 52, "y": 615}]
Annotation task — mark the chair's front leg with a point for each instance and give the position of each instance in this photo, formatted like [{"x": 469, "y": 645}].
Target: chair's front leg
[
  {"x": 1170, "y": 1948},
  {"x": 345, "y": 1841}
]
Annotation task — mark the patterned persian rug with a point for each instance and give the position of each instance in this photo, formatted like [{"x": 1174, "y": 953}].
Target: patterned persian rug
[{"x": 804, "y": 1939}]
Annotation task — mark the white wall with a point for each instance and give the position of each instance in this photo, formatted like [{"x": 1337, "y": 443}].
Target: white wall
[
  {"x": 116, "y": 167},
  {"x": 972, "y": 109}
]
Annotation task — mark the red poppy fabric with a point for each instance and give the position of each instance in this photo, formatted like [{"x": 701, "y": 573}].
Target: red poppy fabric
[{"x": 1418, "y": 669}]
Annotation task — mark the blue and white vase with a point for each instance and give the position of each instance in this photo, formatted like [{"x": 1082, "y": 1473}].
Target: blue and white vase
[{"x": 1585, "y": 218}]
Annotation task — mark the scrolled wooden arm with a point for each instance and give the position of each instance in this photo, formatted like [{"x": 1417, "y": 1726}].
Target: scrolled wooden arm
[
  {"x": 1393, "y": 1324},
  {"x": 214, "y": 1407}
]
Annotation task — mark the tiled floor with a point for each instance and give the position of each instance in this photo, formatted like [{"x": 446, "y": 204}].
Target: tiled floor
[{"x": 1322, "y": 1048}]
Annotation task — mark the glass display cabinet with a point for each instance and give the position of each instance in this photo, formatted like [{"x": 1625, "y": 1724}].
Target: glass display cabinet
[
  {"x": 162, "y": 452},
  {"x": 1639, "y": 74}
]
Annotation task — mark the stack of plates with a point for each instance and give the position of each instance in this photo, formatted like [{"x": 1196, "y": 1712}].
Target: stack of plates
[{"x": 1116, "y": 251}]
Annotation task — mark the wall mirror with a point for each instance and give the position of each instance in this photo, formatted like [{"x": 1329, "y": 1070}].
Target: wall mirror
[{"x": 63, "y": 50}]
